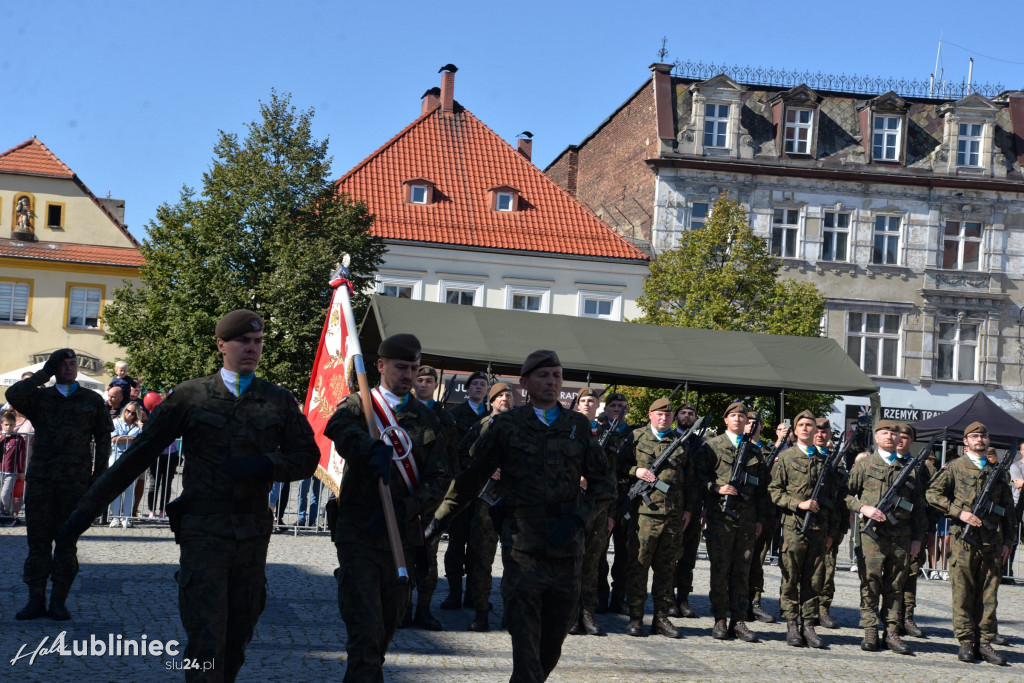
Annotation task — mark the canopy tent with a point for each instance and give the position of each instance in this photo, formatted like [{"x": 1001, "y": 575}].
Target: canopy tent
[
  {"x": 470, "y": 338},
  {"x": 1003, "y": 429}
]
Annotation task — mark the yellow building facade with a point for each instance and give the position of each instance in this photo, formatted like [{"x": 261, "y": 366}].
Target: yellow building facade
[{"x": 63, "y": 253}]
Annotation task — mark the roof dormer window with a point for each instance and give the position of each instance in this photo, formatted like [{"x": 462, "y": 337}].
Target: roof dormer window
[
  {"x": 884, "y": 128},
  {"x": 504, "y": 199},
  {"x": 418, "y": 191}
]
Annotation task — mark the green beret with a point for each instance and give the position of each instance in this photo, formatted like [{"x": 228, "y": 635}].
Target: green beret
[
  {"x": 238, "y": 322},
  {"x": 400, "y": 347},
  {"x": 540, "y": 359},
  {"x": 497, "y": 390},
  {"x": 735, "y": 407},
  {"x": 426, "y": 371},
  {"x": 885, "y": 424},
  {"x": 805, "y": 415},
  {"x": 976, "y": 428},
  {"x": 662, "y": 404}
]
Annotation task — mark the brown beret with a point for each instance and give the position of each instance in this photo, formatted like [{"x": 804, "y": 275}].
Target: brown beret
[
  {"x": 238, "y": 322},
  {"x": 976, "y": 428},
  {"x": 904, "y": 428},
  {"x": 753, "y": 416},
  {"x": 686, "y": 404},
  {"x": 662, "y": 404},
  {"x": 735, "y": 407},
  {"x": 992, "y": 450},
  {"x": 588, "y": 391},
  {"x": 497, "y": 390},
  {"x": 540, "y": 359},
  {"x": 823, "y": 423},
  {"x": 426, "y": 371},
  {"x": 615, "y": 396},
  {"x": 402, "y": 346},
  {"x": 805, "y": 415},
  {"x": 479, "y": 374},
  {"x": 885, "y": 424}
]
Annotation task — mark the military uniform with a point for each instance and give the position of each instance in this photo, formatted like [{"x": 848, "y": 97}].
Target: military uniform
[
  {"x": 730, "y": 541},
  {"x": 369, "y": 595},
  {"x": 541, "y": 465},
  {"x": 483, "y": 539},
  {"x": 225, "y": 524},
  {"x": 840, "y": 525},
  {"x": 659, "y": 525},
  {"x": 909, "y": 599},
  {"x": 883, "y": 562},
  {"x": 58, "y": 474},
  {"x": 618, "y": 450},
  {"x": 691, "y": 538},
  {"x": 974, "y": 571},
  {"x": 762, "y": 543},
  {"x": 455, "y": 560}
]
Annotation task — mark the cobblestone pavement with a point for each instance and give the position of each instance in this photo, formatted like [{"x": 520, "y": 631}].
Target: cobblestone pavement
[{"x": 126, "y": 586}]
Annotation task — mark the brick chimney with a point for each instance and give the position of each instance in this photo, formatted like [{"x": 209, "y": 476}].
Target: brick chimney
[
  {"x": 431, "y": 98},
  {"x": 447, "y": 92},
  {"x": 525, "y": 147}
]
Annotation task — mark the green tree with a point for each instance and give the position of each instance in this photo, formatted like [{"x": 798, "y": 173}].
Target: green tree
[
  {"x": 264, "y": 233},
  {"x": 722, "y": 277}
]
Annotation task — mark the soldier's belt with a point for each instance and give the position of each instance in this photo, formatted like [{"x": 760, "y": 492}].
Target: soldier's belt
[
  {"x": 535, "y": 511},
  {"x": 223, "y": 507}
]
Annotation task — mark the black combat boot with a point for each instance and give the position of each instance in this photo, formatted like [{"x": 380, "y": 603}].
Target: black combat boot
[
  {"x": 870, "y": 642},
  {"x": 825, "y": 619},
  {"x": 673, "y": 611},
  {"x": 36, "y": 606},
  {"x": 58, "y": 594},
  {"x": 480, "y": 622},
  {"x": 743, "y": 632},
  {"x": 989, "y": 655},
  {"x": 966, "y": 653},
  {"x": 577, "y": 627},
  {"x": 635, "y": 627},
  {"x": 590, "y": 625},
  {"x": 761, "y": 614},
  {"x": 719, "y": 631},
  {"x": 425, "y": 619},
  {"x": 910, "y": 628},
  {"x": 895, "y": 643},
  {"x": 454, "y": 598},
  {"x": 998, "y": 639},
  {"x": 663, "y": 627},
  {"x": 793, "y": 636},
  {"x": 684, "y": 606},
  {"x": 812, "y": 637}
]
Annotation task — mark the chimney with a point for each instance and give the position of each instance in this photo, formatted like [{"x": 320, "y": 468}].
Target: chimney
[
  {"x": 525, "y": 147},
  {"x": 447, "y": 92},
  {"x": 431, "y": 98}
]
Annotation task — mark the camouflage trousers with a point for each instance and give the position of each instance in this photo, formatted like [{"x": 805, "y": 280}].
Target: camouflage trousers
[
  {"x": 883, "y": 571},
  {"x": 761, "y": 545},
  {"x": 371, "y": 601},
  {"x": 221, "y": 594},
  {"x": 48, "y": 503},
  {"x": 483, "y": 543},
  {"x": 659, "y": 542},
  {"x": 688, "y": 556},
  {"x": 424, "y": 568},
  {"x": 802, "y": 562},
  {"x": 828, "y": 585},
  {"x": 622, "y": 538},
  {"x": 541, "y": 595},
  {"x": 730, "y": 545},
  {"x": 909, "y": 600},
  {"x": 974, "y": 575},
  {"x": 595, "y": 547}
]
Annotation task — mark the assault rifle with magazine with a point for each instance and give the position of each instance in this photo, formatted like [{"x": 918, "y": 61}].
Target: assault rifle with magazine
[
  {"x": 985, "y": 508},
  {"x": 893, "y": 498},
  {"x": 643, "y": 489}
]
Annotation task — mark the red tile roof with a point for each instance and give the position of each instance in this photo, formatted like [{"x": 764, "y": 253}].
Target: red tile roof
[
  {"x": 32, "y": 157},
  {"x": 464, "y": 159},
  {"x": 65, "y": 252}
]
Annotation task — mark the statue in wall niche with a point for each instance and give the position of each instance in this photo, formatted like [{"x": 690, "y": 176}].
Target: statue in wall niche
[{"x": 24, "y": 217}]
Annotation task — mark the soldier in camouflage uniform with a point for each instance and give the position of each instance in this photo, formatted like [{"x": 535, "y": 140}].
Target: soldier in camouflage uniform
[
  {"x": 542, "y": 450},
  {"x": 686, "y": 416},
  {"x": 661, "y": 523},
  {"x": 803, "y": 554},
  {"x": 483, "y": 539},
  {"x": 975, "y": 570},
  {"x": 240, "y": 433},
  {"x": 67, "y": 418},
  {"x": 840, "y": 525},
  {"x": 730, "y": 540},
  {"x": 424, "y": 561},
  {"x": 370, "y": 596},
  {"x": 883, "y": 562},
  {"x": 764, "y": 539},
  {"x": 618, "y": 448},
  {"x": 908, "y": 600},
  {"x": 466, "y": 414}
]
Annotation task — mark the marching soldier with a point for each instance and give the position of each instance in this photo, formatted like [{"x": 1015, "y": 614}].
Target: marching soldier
[
  {"x": 764, "y": 539},
  {"x": 803, "y": 556},
  {"x": 483, "y": 539},
  {"x": 542, "y": 450},
  {"x": 616, "y": 435},
  {"x": 883, "y": 562},
  {"x": 686, "y": 416},
  {"x": 730, "y": 539},
  {"x": 974, "y": 570},
  {"x": 466, "y": 414},
  {"x": 840, "y": 525},
  {"x": 659, "y": 524},
  {"x": 370, "y": 596}
]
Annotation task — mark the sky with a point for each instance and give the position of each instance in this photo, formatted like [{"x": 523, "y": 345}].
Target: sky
[{"x": 132, "y": 95}]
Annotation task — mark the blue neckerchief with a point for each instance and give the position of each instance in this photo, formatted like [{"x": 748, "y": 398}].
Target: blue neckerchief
[
  {"x": 888, "y": 458},
  {"x": 736, "y": 440},
  {"x": 67, "y": 389},
  {"x": 622, "y": 427},
  {"x": 823, "y": 451},
  {"x": 810, "y": 450},
  {"x": 478, "y": 408},
  {"x": 593, "y": 425},
  {"x": 430, "y": 403},
  {"x": 661, "y": 434},
  {"x": 236, "y": 383},
  {"x": 548, "y": 415},
  {"x": 979, "y": 463},
  {"x": 403, "y": 402}
]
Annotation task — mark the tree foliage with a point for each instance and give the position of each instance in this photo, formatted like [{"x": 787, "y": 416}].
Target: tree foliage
[
  {"x": 264, "y": 233},
  {"x": 722, "y": 277}
]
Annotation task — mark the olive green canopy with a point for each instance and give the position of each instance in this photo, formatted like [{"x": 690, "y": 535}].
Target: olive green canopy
[{"x": 467, "y": 338}]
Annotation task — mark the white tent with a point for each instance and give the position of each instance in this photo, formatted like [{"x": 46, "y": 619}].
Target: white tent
[{"x": 9, "y": 378}]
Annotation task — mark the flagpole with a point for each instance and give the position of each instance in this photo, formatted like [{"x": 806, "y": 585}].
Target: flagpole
[{"x": 340, "y": 280}]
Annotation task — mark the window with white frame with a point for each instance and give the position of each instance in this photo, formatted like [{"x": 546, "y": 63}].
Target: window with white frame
[
  {"x": 958, "y": 351},
  {"x": 716, "y": 125},
  {"x": 886, "y": 240},
  {"x": 462, "y": 293},
  {"x": 84, "y": 307},
  {"x": 886, "y": 137},
  {"x": 699, "y": 213},
  {"x": 503, "y": 201},
  {"x": 835, "y": 236},
  {"x": 873, "y": 342},
  {"x": 785, "y": 227},
  {"x": 961, "y": 245},
  {"x": 14, "y": 298},
  {"x": 400, "y": 287},
  {"x": 530, "y": 299},
  {"x": 419, "y": 194},
  {"x": 798, "y": 131},
  {"x": 603, "y": 305},
  {"x": 968, "y": 144}
]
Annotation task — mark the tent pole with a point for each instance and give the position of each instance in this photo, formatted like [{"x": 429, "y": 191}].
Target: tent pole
[
  {"x": 943, "y": 463},
  {"x": 686, "y": 392},
  {"x": 782, "y": 405},
  {"x": 440, "y": 384}
]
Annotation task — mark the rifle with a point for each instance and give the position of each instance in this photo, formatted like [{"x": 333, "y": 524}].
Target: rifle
[
  {"x": 893, "y": 499},
  {"x": 739, "y": 477},
  {"x": 831, "y": 464},
  {"x": 985, "y": 507},
  {"x": 448, "y": 388},
  {"x": 643, "y": 489},
  {"x": 772, "y": 457}
]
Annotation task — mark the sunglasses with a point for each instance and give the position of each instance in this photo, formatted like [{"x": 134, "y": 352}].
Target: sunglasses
[{"x": 129, "y": 412}]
